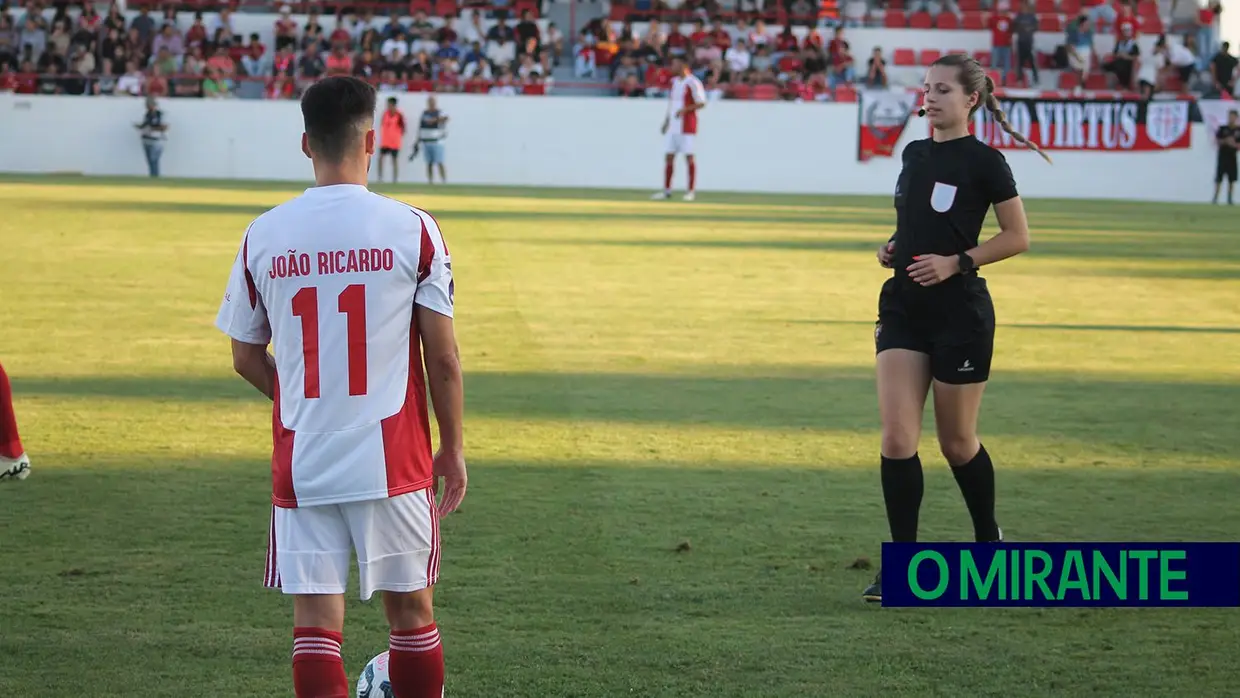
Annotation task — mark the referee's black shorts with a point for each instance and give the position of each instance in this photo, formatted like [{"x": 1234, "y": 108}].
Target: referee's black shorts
[
  {"x": 953, "y": 325},
  {"x": 1226, "y": 169}
]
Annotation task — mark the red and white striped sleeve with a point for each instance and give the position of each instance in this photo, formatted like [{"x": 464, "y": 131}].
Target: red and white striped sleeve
[{"x": 242, "y": 314}]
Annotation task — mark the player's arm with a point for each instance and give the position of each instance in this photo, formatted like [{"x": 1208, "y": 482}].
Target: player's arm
[
  {"x": 999, "y": 187},
  {"x": 256, "y": 365},
  {"x": 433, "y": 304},
  {"x": 699, "y": 98},
  {"x": 443, "y": 376}
]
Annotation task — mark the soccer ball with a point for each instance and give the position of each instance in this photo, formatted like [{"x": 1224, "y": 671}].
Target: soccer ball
[{"x": 374, "y": 682}]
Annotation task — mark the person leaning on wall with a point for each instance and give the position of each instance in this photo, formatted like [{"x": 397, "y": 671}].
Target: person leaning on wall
[{"x": 154, "y": 133}]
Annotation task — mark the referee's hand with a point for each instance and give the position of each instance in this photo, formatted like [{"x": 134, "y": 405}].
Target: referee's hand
[
  {"x": 930, "y": 269},
  {"x": 885, "y": 252}
]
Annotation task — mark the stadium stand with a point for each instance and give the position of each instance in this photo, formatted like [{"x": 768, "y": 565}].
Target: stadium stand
[{"x": 792, "y": 50}]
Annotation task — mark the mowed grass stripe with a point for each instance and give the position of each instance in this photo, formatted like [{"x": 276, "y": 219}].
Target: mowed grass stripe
[{"x": 644, "y": 378}]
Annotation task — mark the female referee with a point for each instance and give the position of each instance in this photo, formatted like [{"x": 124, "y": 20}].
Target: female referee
[{"x": 936, "y": 322}]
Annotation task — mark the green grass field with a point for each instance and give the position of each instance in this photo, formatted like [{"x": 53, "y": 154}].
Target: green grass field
[{"x": 638, "y": 375}]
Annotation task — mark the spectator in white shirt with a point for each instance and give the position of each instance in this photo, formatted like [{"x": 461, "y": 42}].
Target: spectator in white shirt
[
  {"x": 503, "y": 86},
  {"x": 553, "y": 39},
  {"x": 1183, "y": 60},
  {"x": 395, "y": 48},
  {"x": 738, "y": 57},
  {"x": 132, "y": 82},
  {"x": 855, "y": 12},
  {"x": 473, "y": 30}
]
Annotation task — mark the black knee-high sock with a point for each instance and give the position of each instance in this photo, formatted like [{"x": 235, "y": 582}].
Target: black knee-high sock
[
  {"x": 903, "y": 486},
  {"x": 976, "y": 480}
]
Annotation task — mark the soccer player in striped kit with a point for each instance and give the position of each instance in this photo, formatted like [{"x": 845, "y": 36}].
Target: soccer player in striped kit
[
  {"x": 14, "y": 464},
  {"x": 354, "y": 292},
  {"x": 686, "y": 98}
]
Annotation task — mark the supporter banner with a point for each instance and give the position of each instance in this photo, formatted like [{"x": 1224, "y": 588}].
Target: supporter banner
[
  {"x": 1214, "y": 113},
  {"x": 882, "y": 116},
  {"x": 1061, "y": 574},
  {"x": 1092, "y": 125}
]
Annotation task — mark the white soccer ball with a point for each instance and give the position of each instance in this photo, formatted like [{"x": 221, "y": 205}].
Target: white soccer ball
[{"x": 374, "y": 682}]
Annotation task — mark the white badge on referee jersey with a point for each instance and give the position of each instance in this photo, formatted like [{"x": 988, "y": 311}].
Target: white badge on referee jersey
[{"x": 942, "y": 198}]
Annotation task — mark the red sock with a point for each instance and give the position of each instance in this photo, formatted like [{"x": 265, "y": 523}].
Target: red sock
[
  {"x": 318, "y": 670},
  {"x": 692, "y": 174},
  {"x": 668, "y": 169},
  {"x": 416, "y": 663},
  {"x": 10, "y": 444}
]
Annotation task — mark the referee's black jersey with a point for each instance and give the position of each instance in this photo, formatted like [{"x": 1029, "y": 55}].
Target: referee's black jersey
[{"x": 942, "y": 197}]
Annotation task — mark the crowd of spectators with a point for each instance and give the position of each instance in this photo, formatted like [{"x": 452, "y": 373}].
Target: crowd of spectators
[
  {"x": 735, "y": 59},
  {"x": 80, "y": 52}
]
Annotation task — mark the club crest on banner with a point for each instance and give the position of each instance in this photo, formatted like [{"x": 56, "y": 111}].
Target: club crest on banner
[
  {"x": 883, "y": 115},
  {"x": 1166, "y": 122}
]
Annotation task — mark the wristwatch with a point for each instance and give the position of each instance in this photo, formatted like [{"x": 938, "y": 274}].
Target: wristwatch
[{"x": 966, "y": 263}]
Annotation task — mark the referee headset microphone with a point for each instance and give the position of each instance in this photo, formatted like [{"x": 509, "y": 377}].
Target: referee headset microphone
[{"x": 973, "y": 78}]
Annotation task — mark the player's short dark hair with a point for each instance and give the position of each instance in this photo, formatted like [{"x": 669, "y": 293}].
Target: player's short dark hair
[
  {"x": 337, "y": 111},
  {"x": 391, "y": 100}
]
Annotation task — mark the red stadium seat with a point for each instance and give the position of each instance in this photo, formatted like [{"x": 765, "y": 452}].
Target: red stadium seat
[
  {"x": 1046, "y": 7},
  {"x": 765, "y": 92},
  {"x": 904, "y": 56},
  {"x": 1068, "y": 80},
  {"x": 947, "y": 20},
  {"x": 535, "y": 89},
  {"x": 1173, "y": 83},
  {"x": 446, "y": 8},
  {"x": 1050, "y": 23},
  {"x": 620, "y": 12},
  {"x": 524, "y": 5},
  {"x": 995, "y": 76},
  {"x": 895, "y": 5},
  {"x": 920, "y": 20},
  {"x": 1096, "y": 81},
  {"x": 1071, "y": 8},
  {"x": 974, "y": 21},
  {"x": 970, "y": 5},
  {"x": 894, "y": 19},
  {"x": 1151, "y": 25},
  {"x": 416, "y": 6},
  {"x": 1014, "y": 79},
  {"x": 982, "y": 57},
  {"x": 1147, "y": 8},
  {"x": 928, "y": 56},
  {"x": 845, "y": 93}
]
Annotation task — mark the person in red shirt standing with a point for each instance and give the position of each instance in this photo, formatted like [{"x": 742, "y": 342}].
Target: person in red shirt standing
[
  {"x": 1001, "y": 39},
  {"x": 686, "y": 97},
  {"x": 1126, "y": 19},
  {"x": 14, "y": 464},
  {"x": 392, "y": 134}
]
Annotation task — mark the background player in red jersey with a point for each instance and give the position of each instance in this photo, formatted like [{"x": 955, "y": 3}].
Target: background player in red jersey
[
  {"x": 354, "y": 292},
  {"x": 685, "y": 99},
  {"x": 14, "y": 465}
]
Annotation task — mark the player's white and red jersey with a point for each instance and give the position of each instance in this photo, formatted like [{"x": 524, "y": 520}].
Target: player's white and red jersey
[
  {"x": 330, "y": 279},
  {"x": 686, "y": 91}
]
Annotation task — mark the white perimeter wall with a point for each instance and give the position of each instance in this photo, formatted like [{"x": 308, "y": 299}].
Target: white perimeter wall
[{"x": 558, "y": 142}]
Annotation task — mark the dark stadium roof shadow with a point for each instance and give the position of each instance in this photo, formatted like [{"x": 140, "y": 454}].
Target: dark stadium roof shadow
[
  {"x": 1052, "y": 326},
  {"x": 1179, "y": 416}
]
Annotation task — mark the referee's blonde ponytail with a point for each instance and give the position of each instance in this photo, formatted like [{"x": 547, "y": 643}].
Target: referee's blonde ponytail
[
  {"x": 996, "y": 112},
  {"x": 973, "y": 78}
]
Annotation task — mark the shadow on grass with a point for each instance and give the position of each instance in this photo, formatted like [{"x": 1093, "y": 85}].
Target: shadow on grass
[
  {"x": 1161, "y": 416},
  {"x": 1055, "y": 326},
  {"x": 684, "y": 216},
  {"x": 676, "y": 563}
]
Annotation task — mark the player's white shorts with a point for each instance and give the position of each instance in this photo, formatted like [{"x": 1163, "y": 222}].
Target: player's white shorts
[
  {"x": 680, "y": 143},
  {"x": 396, "y": 539}
]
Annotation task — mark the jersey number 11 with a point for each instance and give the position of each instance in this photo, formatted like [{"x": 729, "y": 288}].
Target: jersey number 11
[{"x": 352, "y": 302}]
